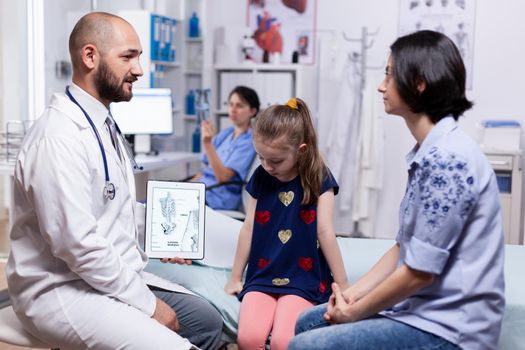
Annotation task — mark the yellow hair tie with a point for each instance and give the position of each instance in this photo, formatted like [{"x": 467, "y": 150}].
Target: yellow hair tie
[{"x": 292, "y": 103}]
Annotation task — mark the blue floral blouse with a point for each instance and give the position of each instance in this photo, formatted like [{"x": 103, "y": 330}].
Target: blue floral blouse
[{"x": 451, "y": 227}]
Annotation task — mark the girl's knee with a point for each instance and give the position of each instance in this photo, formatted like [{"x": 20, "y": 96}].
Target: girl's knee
[
  {"x": 280, "y": 341},
  {"x": 251, "y": 336},
  {"x": 251, "y": 341}
]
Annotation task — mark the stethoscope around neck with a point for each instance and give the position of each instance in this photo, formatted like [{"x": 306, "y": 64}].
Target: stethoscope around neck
[{"x": 109, "y": 188}]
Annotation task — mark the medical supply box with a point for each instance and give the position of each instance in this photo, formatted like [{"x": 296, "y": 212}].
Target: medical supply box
[{"x": 501, "y": 135}]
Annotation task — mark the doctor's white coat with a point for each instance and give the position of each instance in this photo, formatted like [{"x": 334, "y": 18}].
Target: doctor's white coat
[{"x": 67, "y": 240}]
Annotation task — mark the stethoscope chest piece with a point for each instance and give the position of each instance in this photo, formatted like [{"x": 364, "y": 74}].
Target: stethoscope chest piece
[{"x": 109, "y": 190}]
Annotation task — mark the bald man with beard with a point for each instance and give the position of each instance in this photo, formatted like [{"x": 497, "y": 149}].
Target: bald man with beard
[{"x": 75, "y": 271}]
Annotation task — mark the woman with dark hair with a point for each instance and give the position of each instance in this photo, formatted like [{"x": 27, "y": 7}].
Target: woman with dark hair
[
  {"x": 441, "y": 285},
  {"x": 229, "y": 154}
]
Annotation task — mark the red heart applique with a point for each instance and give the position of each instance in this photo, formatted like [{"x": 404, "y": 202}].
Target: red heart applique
[
  {"x": 308, "y": 216},
  {"x": 263, "y": 263},
  {"x": 262, "y": 217},
  {"x": 306, "y": 263},
  {"x": 322, "y": 287}
]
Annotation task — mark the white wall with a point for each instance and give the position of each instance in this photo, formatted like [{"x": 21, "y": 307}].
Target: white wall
[
  {"x": 499, "y": 49},
  {"x": 498, "y": 78},
  {"x": 57, "y": 32},
  {"x": 13, "y": 30},
  {"x": 13, "y": 72},
  {"x": 350, "y": 17},
  {"x": 56, "y": 37}
]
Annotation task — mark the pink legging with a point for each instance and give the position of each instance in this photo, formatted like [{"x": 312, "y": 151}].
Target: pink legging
[{"x": 261, "y": 313}]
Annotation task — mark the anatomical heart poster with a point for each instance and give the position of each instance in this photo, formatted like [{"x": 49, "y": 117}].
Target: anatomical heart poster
[{"x": 283, "y": 30}]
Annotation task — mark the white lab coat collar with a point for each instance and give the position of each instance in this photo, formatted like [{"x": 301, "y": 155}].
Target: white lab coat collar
[
  {"x": 96, "y": 110},
  {"x": 98, "y": 114}
]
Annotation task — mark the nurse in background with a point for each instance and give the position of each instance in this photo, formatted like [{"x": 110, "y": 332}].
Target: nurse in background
[
  {"x": 441, "y": 285},
  {"x": 229, "y": 154}
]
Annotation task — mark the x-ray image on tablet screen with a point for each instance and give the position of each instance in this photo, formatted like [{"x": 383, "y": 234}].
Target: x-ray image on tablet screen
[{"x": 175, "y": 219}]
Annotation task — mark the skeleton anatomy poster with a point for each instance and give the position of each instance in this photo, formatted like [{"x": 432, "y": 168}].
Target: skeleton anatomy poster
[{"x": 454, "y": 18}]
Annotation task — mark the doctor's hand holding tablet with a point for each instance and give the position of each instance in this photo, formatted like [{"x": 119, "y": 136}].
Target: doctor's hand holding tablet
[{"x": 176, "y": 260}]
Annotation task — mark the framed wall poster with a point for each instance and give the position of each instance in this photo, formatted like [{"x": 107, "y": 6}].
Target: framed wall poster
[
  {"x": 283, "y": 27},
  {"x": 454, "y": 18}
]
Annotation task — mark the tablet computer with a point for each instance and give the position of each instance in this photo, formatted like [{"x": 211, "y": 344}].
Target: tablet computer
[{"x": 175, "y": 219}]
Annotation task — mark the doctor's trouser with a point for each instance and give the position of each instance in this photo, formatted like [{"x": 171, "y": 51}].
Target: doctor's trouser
[{"x": 92, "y": 321}]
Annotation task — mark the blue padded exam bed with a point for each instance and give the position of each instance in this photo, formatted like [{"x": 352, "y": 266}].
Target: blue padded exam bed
[{"x": 208, "y": 277}]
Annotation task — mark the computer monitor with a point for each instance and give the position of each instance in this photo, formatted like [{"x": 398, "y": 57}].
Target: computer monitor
[{"x": 148, "y": 112}]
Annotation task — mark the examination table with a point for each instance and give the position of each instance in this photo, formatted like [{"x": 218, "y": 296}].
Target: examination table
[{"x": 208, "y": 277}]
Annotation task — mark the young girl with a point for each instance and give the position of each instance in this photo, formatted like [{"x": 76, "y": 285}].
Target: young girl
[
  {"x": 441, "y": 285},
  {"x": 287, "y": 239}
]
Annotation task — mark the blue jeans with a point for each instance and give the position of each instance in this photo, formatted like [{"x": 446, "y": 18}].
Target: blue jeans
[{"x": 377, "y": 332}]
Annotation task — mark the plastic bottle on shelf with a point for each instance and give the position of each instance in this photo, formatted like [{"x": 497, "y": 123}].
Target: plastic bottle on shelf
[
  {"x": 196, "y": 140},
  {"x": 194, "y": 26},
  {"x": 190, "y": 103}
]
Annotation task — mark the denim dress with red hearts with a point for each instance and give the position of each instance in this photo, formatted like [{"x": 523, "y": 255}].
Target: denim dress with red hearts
[{"x": 285, "y": 257}]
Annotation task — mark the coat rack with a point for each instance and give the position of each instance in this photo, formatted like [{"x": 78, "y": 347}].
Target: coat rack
[{"x": 360, "y": 57}]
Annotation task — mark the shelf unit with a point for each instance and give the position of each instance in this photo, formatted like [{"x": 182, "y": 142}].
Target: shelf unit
[
  {"x": 273, "y": 83},
  {"x": 158, "y": 34},
  {"x": 508, "y": 169},
  {"x": 180, "y": 75},
  {"x": 193, "y": 63}
]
